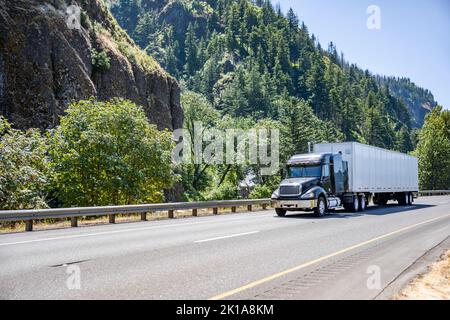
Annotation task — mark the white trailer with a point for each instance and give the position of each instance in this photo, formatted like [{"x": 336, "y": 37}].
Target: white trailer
[
  {"x": 347, "y": 175},
  {"x": 375, "y": 170}
]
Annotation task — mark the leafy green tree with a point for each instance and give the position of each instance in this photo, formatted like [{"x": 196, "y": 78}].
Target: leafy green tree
[
  {"x": 24, "y": 170},
  {"x": 107, "y": 153},
  {"x": 433, "y": 151},
  {"x": 196, "y": 174}
]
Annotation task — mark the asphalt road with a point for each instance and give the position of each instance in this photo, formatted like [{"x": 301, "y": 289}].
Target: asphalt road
[{"x": 237, "y": 256}]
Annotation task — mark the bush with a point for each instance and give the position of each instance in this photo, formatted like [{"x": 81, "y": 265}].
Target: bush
[
  {"x": 107, "y": 153},
  {"x": 85, "y": 20},
  {"x": 100, "y": 60},
  {"x": 24, "y": 169},
  {"x": 261, "y": 192},
  {"x": 227, "y": 191}
]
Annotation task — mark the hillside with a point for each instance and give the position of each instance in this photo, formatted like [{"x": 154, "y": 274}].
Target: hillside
[
  {"x": 44, "y": 64},
  {"x": 219, "y": 47},
  {"x": 419, "y": 101}
]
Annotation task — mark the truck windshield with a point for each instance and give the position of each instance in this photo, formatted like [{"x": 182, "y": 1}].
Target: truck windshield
[{"x": 304, "y": 172}]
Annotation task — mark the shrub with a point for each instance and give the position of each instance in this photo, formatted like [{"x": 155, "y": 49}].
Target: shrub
[
  {"x": 24, "y": 170},
  {"x": 85, "y": 20},
  {"x": 107, "y": 153},
  {"x": 227, "y": 191},
  {"x": 261, "y": 192},
  {"x": 100, "y": 60}
]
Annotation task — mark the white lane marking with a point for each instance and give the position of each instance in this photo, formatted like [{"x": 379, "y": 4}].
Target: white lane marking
[
  {"x": 227, "y": 237},
  {"x": 117, "y": 231}
]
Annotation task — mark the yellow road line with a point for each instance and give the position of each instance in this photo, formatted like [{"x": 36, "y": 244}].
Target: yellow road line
[{"x": 309, "y": 263}]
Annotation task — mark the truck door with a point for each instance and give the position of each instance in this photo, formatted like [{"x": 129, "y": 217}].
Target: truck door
[{"x": 338, "y": 173}]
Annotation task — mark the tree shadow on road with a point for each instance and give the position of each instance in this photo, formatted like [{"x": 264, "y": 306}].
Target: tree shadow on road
[{"x": 372, "y": 211}]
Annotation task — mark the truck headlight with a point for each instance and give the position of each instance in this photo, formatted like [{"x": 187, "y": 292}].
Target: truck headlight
[
  {"x": 276, "y": 194},
  {"x": 309, "y": 195}
]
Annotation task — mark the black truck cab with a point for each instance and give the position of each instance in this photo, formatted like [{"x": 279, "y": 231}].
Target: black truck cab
[{"x": 312, "y": 182}]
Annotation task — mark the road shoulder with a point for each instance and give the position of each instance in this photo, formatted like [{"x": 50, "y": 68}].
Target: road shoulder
[{"x": 420, "y": 267}]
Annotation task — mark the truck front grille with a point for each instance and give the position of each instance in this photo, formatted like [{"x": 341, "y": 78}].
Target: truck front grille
[{"x": 289, "y": 190}]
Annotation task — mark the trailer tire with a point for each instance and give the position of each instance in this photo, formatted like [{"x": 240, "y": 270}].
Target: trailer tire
[
  {"x": 354, "y": 207},
  {"x": 403, "y": 199},
  {"x": 410, "y": 199},
  {"x": 280, "y": 212},
  {"x": 362, "y": 203},
  {"x": 321, "y": 209}
]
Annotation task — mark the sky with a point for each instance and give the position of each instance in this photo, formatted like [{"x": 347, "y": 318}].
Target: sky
[{"x": 413, "y": 38}]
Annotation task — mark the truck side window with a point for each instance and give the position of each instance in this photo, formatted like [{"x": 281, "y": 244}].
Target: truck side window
[{"x": 326, "y": 171}]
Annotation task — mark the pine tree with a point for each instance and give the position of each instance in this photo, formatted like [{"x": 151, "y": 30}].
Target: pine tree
[{"x": 191, "y": 51}]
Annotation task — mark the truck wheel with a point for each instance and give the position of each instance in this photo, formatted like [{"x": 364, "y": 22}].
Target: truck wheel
[
  {"x": 362, "y": 203},
  {"x": 321, "y": 209},
  {"x": 355, "y": 206},
  {"x": 280, "y": 212},
  {"x": 410, "y": 199},
  {"x": 403, "y": 199}
]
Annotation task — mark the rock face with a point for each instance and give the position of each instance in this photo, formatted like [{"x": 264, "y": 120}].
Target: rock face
[{"x": 46, "y": 62}]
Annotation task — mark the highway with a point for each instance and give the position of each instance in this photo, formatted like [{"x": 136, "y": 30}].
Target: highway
[{"x": 235, "y": 256}]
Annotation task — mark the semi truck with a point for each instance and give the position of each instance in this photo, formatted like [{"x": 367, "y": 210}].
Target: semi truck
[{"x": 348, "y": 176}]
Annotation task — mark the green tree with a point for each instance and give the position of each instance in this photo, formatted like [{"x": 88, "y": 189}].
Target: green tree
[
  {"x": 24, "y": 170},
  {"x": 433, "y": 151},
  {"x": 107, "y": 153},
  {"x": 197, "y": 110},
  {"x": 191, "y": 51}
]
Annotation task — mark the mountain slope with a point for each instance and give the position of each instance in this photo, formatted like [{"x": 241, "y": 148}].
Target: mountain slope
[
  {"x": 212, "y": 44},
  {"x": 44, "y": 64},
  {"x": 419, "y": 101}
]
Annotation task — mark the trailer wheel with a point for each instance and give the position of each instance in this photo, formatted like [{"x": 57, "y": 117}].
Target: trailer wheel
[
  {"x": 362, "y": 203},
  {"x": 403, "y": 199},
  {"x": 321, "y": 209},
  {"x": 410, "y": 199},
  {"x": 355, "y": 206},
  {"x": 280, "y": 212}
]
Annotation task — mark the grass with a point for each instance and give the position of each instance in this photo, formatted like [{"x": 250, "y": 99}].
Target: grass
[{"x": 434, "y": 285}]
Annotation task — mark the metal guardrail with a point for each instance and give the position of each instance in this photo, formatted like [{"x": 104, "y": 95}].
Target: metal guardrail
[
  {"x": 434, "y": 192},
  {"x": 112, "y": 211}
]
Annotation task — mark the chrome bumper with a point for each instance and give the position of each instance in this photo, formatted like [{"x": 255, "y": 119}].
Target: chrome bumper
[{"x": 295, "y": 204}]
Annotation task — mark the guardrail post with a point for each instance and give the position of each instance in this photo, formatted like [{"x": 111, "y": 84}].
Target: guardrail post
[
  {"x": 215, "y": 211},
  {"x": 233, "y": 209},
  {"x": 74, "y": 222},
  {"x": 171, "y": 214},
  {"x": 29, "y": 225},
  {"x": 112, "y": 218},
  {"x": 249, "y": 207},
  {"x": 194, "y": 212},
  {"x": 143, "y": 216}
]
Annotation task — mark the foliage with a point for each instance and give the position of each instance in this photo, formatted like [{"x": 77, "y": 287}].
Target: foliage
[
  {"x": 107, "y": 153},
  {"x": 261, "y": 192},
  {"x": 24, "y": 170},
  {"x": 226, "y": 191},
  {"x": 433, "y": 151},
  {"x": 100, "y": 60}
]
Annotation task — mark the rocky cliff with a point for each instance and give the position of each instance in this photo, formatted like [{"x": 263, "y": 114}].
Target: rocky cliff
[{"x": 48, "y": 58}]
